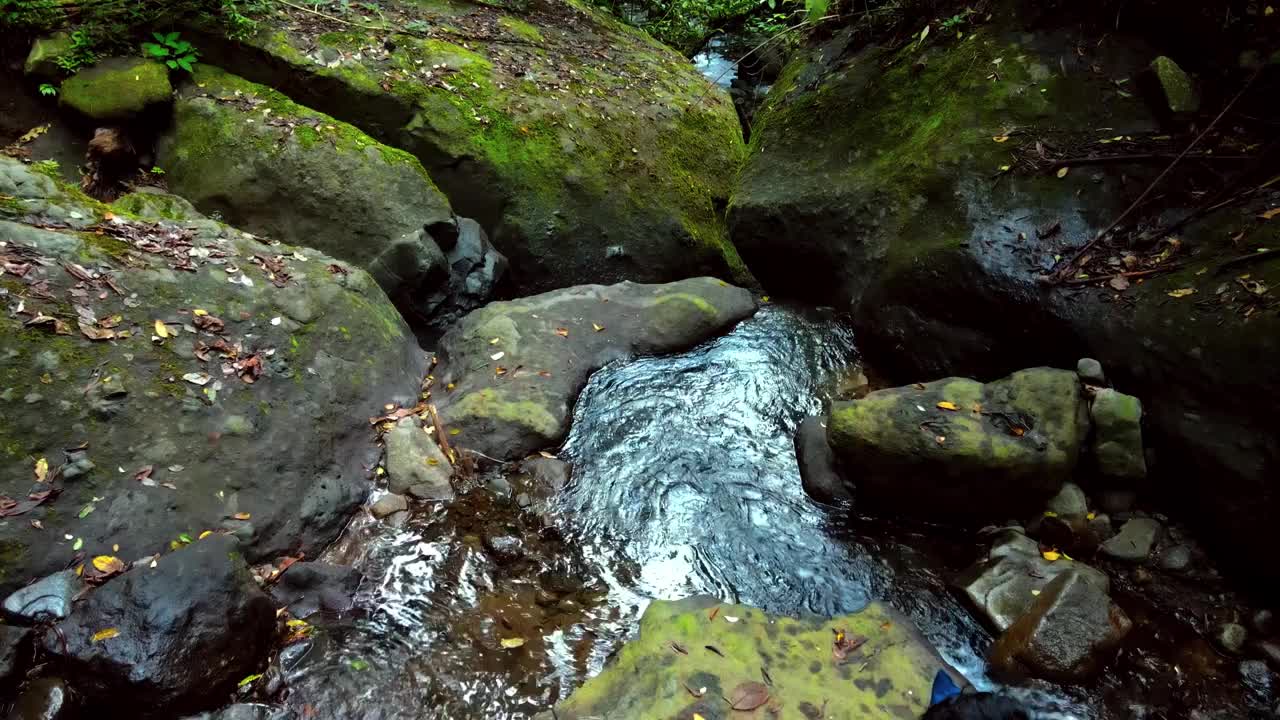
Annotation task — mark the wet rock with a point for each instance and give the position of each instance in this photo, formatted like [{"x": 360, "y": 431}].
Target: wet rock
[
  {"x": 914, "y": 455},
  {"x": 47, "y": 698},
  {"x": 1271, "y": 651},
  {"x": 885, "y": 669},
  {"x": 1231, "y": 638},
  {"x": 415, "y": 463},
  {"x": 852, "y": 385},
  {"x": 504, "y": 548},
  {"x": 309, "y": 587},
  {"x": 520, "y": 402},
  {"x": 1258, "y": 680},
  {"x": 548, "y": 476},
  {"x": 1117, "y": 441},
  {"x": 42, "y": 60},
  {"x": 78, "y": 465},
  {"x": 247, "y": 711},
  {"x": 1135, "y": 540},
  {"x": 388, "y": 504},
  {"x": 1003, "y": 586},
  {"x": 1176, "y": 558},
  {"x": 332, "y": 348},
  {"x": 363, "y": 202},
  {"x": 117, "y": 89},
  {"x": 1117, "y": 501},
  {"x": 475, "y": 268},
  {"x": 1263, "y": 622},
  {"x": 14, "y": 651},
  {"x": 1069, "y": 502},
  {"x": 818, "y": 470},
  {"x": 188, "y": 629},
  {"x": 1069, "y": 634},
  {"x": 44, "y": 600},
  {"x": 1090, "y": 371},
  {"x": 1179, "y": 91}
]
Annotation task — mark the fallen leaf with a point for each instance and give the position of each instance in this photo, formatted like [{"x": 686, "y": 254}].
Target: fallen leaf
[
  {"x": 1051, "y": 555},
  {"x": 1017, "y": 431},
  {"x": 748, "y": 696},
  {"x": 204, "y": 534},
  {"x": 1062, "y": 171},
  {"x": 948, "y": 405},
  {"x": 1001, "y": 138},
  {"x": 84, "y": 511},
  {"x": 242, "y": 516},
  {"x": 79, "y": 543},
  {"x": 562, "y": 332},
  {"x": 359, "y": 665},
  {"x": 1050, "y": 513},
  {"x": 162, "y": 330},
  {"x": 248, "y": 679},
  {"x": 1091, "y": 516},
  {"x": 547, "y": 455},
  {"x": 33, "y": 133},
  {"x": 497, "y": 356},
  {"x": 197, "y": 378},
  {"x": 1270, "y": 214},
  {"x": 105, "y": 634},
  {"x": 495, "y": 341},
  {"x": 597, "y": 328},
  {"x": 42, "y": 469},
  {"x": 185, "y": 538},
  {"x": 1119, "y": 283},
  {"x": 511, "y": 643},
  {"x": 1181, "y": 293},
  {"x": 108, "y": 564}
]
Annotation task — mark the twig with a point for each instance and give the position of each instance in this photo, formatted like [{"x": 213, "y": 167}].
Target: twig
[
  {"x": 1059, "y": 274},
  {"x": 335, "y": 18},
  {"x": 1138, "y": 158},
  {"x": 411, "y": 33},
  {"x": 1136, "y": 273},
  {"x": 1261, "y": 254}
]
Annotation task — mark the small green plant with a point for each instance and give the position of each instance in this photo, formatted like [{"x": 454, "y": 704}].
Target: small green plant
[
  {"x": 955, "y": 21},
  {"x": 48, "y": 90},
  {"x": 156, "y": 170},
  {"x": 172, "y": 50},
  {"x": 80, "y": 54}
]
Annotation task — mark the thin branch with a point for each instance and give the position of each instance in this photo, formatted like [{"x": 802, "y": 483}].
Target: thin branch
[
  {"x": 1139, "y": 158},
  {"x": 1251, "y": 257},
  {"x": 1136, "y": 273}
]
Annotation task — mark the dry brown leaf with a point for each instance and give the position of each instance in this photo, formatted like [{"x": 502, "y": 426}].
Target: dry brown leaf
[{"x": 748, "y": 696}]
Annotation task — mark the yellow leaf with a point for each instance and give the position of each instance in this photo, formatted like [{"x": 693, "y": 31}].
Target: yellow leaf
[
  {"x": 1062, "y": 171},
  {"x": 33, "y": 133},
  {"x": 1005, "y": 168},
  {"x": 924, "y": 33},
  {"x": 1051, "y": 555},
  {"x": 510, "y": 643},
  {"x": 1035, "y": 592},
  {"x": 108, "y": 564},
  {"x": 764, "y": 298},
  {"x": 242, "y": 516},
  {"x": 454, "y": 431},
  {"x": 1067, "y": 557},
  {"x": 597, "y": 328},
  {"x": 696, "y": 716},
  {"x": 948, "y": 405},
  {"x": 1050, "y": 513},
  {"x": 204, "y": 534},
  {"x": 105, "y": 634},
  {"x": 562, "y": 332},
  {"x": 1181, "y": 293},
  {"x": 298, "y": 624},
  {"x": 1270, "y": 213},
  {"x": 495, "y": 341},
  {"x": 199, "y": 313},
  {"x": 1001, "y": 138},
  {"x": 1090, "y": 516},
  {"x": 162, "y": 331},
  {"x": 42, "y": 469},
  {"x": 380, "y": 471}
]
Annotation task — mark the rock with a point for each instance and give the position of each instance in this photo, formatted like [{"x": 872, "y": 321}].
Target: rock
[
  {"x": 549, "y": 344},
  {"x": 1135, "y": 540},
  {"x": 554, "y": 194},
  {"x": 306, "y": 588},
  {"x": 1069, "y": 634},
  {"x": 1090, "y": 371},
  {"x": 852, "y": 385},
  {"x": 44, "y": 600},
  {"x": 1117, "y": 501},
  {"x": 363, "y": 201},
  {"x": 331, "y": 348},
  {"x": 1178, "y": 89},
  {"x": 550, "y": 475},
  {"x": 389, "y": 504},
  {"x": 1003, "y": 586},
  {"x": 1271, "y": 651},
  {"x": 1263, "y": 622},
  {"x": 1069, "y": 502},
  {"x": 818, "y": 470},
  {"x": 504, "y": 548},
  {"x": 475, "y": 268},
  {"x": 1258, "y": 680},
  {"x": 414, "y": 461},
  {"x": 15, "y": 651},
  {"x": 889, "y": 675},
  {"x": 247, "y": 711},
  {"x": 1176, "y": 558},
  {"x": 1117, "y": 440},
  {"x": 117, "y": 89},
  {"x": 42, "y": 61},
  {"x": 46, "y": 698},
  {"x": 188, "y": 629},
  {"x": 912, "y": 456},
  {"x": 1231, "y": 638},
  {"x": 894, "y": 214}
]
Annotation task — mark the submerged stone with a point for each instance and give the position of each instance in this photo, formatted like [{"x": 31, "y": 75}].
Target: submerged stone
[
  {"x": 117, "y": 89},
  {"x": 819, "y": 472},
  {"x": 691, "y": 658},
  {"x": 306, "y": 588}
]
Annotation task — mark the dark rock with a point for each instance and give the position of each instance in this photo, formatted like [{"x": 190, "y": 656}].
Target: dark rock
[
  {"x": 547, "y": 476},
  {"x": 45, "y": 599},
  {"x": 912, "y": 455},
  {"x": 1117, "y": 501},
  {"x": 504, "y": 548},
  {"x": 1090, "y": 371},
  {"x": 1231, "y": 638},
  {"x": 309, "y": 587},
  {"x": 1271, "y": 651},
  {"x": 388, "y": 504},
  {"x": 187, "y": 630},
  {"x": 1135, "y": 540},
  {"x": 14, "y": 651},
  {"x": 247, "y": 711},
  {"x": 1258, "y": 680},
  {"x": 1263, "y": 622},
  {"x": 818, "y": 470},
  {"x": 42, "y": 60},
  {"x": 1069, "y": 502},
  {"x": 510, "y": 414},
  {"x": 1176, "y": 558},
  {"x": 475, "y": 268},
  {"x": 1069, "y": 634},
  {"x": 415, "y": 462},
  {"x": 46, "y": 698}
]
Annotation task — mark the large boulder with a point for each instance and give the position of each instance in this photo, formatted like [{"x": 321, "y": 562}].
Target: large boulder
[
  {"x": 510, "y": 372},
  {"x": 690, "y": 659},
  {"x": 273, "y": 167},
  {"x": 171, "y": 377},
  {"x": 590, "y": 152},
  {"x": 877, "y": 178},
  {"x": 42, "y": 60},
  {"x": 961, "y": 449},
  {"x": 182, "y": 632},
  {"x": 117, "y": 89}
]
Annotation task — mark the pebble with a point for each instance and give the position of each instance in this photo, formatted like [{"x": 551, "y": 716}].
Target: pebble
[
  {"x": 1231, "y": 638},
  {"x": 388, "y": 504},
  {"x": 1134, "y": 541},
  {"x": 1263, "y": 622},
  {"x": 1176, "y": 558},
  {"x": 1070, "y": 501},
  {"x": 504, "y": 548},
  {"x": 1090, "y": 371}
]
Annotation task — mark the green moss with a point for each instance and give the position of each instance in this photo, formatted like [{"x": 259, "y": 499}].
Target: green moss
[
  {"x": 521, "y": 29},
  {"x": 491, "y": 403},
  {"x": 117, "y": 89}
]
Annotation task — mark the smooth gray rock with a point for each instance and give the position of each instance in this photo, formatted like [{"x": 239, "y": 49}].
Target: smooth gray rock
[
  {"x": 1117, "y": 435},
  {"x": 1068, "y": 634},
  {"x": 388, "y": 504},
  {"x": 1176, "y": 558},
  {"x": 415, "y": 462},
  {"x": 1090, "y": 371},
  {"x": 819, "y": 471},
  {"x": 1069, "y": 502},
  {"x": 46, "y": 599},
  {"x": 306, "y": 588},
  {"x": 1135, "y": 540}
]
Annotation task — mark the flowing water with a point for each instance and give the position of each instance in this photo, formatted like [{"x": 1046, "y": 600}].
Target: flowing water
[{"x": 685, "y": 482}]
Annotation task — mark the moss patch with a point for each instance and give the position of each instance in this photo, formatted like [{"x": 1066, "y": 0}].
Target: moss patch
[{"x": 117, "y": 89}]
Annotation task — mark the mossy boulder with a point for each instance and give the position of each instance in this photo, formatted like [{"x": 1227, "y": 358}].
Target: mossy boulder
[
  {"x": 248, "y": 413},
  {"x": 1178, "y": 89},
  {"x": 589, "y": 152},
  {"x": 510, "y": 372},
  {"x": 117, "y": 89},
  {"x": 690, "y": 658},
  {"x": 42, "y": 60},
  {"x": 960, "y": 449},
  {"x": 1117, "y": 440},
  {"x": 275, "y": 168},
  {"x": 882, "y": 181}
]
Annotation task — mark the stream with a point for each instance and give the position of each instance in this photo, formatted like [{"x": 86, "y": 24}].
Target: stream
[{"x": 685, "y": 482}]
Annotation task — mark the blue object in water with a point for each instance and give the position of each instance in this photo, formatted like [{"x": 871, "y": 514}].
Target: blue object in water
[{"x": 943, "y": 688}]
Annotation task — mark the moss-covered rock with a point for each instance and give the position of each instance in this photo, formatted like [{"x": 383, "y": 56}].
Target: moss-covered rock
[
  {"x": 117, "y": 89},
  {"x": 588, "y": 151},
  {"x": 691, "y": 659},
  {"x": 959, "y": 449},
  {"x": 285, "y": 453},
  {"x": 282, "y": 170},
  {"x": 1179, "y": 90},
  {"x": 1117, "y": 440},
  {"x": 510, "y": 372},
  {"x": 42, "y": 60}
]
